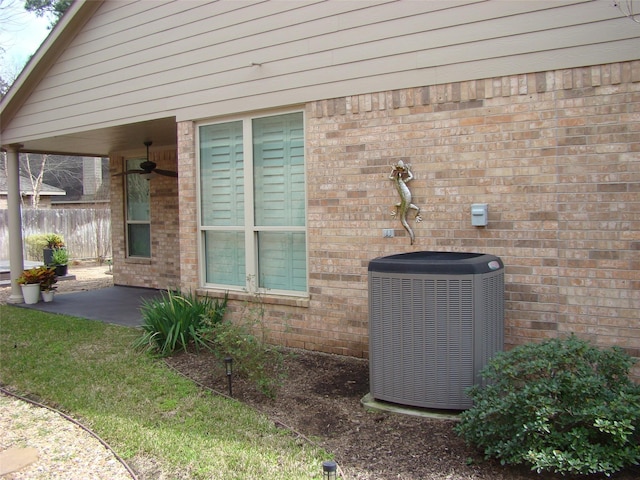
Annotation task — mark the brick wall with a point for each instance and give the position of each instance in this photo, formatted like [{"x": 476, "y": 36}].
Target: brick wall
[
  {"x": 555, "y": 155},
  {"x": 162, "y": 270},
  {"x": 188, "y": 206}
]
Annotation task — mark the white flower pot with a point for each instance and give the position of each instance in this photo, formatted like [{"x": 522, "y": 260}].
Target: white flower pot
[
  {"x": 47, "y": 296},
  {"x": 31, "y": 293}
]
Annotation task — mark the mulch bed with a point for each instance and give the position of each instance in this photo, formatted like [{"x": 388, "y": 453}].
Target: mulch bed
[{"x": 320, "y": 400}]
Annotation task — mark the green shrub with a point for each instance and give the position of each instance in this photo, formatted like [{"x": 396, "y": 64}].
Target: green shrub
[
  {"x": 246, "y": 342},
  {"x": 177, "y": 320},
  {"x": 34, "y": 244},
  {"x": 561, "y": 406},
  {"x": 253, "y": 359}
]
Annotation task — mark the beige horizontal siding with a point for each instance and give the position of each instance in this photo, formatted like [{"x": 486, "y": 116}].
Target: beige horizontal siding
[{"x": 142, "y": 60}]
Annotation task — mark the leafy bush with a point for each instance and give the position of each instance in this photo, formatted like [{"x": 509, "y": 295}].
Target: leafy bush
[
  {"x": 176, "y": 320},
  {"x": 561, "y": 406},
  {"x": 45, "y": 276},
  {"x": 39, "y": 241},
  {"x": 34, "y": 245},
  {"x": 252, "y": 357},
  {"x": 245, "y": 342}
]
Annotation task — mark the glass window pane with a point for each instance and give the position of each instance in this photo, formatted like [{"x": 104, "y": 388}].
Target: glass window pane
[
  {"x": 139, "y": 239},
  {"x": 225, "y": 263},
  {"x": 137, "y": 194},
  {"x": 222, "y": 174},
  {"x": 282, "y": 259},
  {"x": 278, "y": 162}
]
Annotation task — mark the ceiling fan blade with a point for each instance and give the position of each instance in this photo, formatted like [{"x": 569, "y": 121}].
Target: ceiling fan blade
[{"x": 166, "y": 173}]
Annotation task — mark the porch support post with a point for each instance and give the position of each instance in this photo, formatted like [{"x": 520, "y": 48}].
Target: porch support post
[{"x": 16, "y": 260}]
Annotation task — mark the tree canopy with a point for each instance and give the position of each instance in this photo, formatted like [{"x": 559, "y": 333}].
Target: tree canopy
[
  {"x": 55, "y": 8},
  {"x": 52, "y": 9}
]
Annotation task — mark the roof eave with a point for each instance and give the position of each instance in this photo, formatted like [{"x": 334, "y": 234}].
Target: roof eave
[{"x": 51, "y": 48}]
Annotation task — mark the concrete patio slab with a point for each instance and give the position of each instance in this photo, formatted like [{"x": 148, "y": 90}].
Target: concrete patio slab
[{"x": 118, "y": 305}]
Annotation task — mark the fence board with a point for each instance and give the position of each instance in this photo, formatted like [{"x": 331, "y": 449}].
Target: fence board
[{"x": 86, "y": 231}]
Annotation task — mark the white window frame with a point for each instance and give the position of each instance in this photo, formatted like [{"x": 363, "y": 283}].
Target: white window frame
[{"x": 249, "y": 228}]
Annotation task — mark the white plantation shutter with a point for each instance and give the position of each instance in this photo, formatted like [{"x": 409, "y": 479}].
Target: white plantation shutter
[
  {"x": 283, "y": 263},
  {"x": 222, "y": 175},
  {"x": 278, "y": 162},
  {"x": 279, "y": 200},
  {"x": 222, "y": 202},
  {"x": 225, "y": 258},
  {"x": 265, "y": 240}
]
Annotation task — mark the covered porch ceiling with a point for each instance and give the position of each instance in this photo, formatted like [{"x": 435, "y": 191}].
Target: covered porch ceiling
[{"x": 103, "y": 141}]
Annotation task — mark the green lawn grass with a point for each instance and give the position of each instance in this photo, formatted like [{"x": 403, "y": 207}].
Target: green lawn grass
[{"x": 144, "y": 410}]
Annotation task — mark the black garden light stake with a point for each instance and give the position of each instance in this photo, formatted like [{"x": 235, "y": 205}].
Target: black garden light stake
[
  {"x": 228, "y": 365},
  {"x": 329, "y": 470}
]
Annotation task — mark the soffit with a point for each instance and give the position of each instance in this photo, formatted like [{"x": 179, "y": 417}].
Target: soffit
[{"x": 101, "y": 142}]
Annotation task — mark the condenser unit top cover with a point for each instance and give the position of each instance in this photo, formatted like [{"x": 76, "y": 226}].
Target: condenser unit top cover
[{"x": 450, "y": 263}]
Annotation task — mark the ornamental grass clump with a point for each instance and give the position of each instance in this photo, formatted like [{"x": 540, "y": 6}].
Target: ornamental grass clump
[
  {"x": 178, "y": 320},
  {"x": 561, "y": 406}
]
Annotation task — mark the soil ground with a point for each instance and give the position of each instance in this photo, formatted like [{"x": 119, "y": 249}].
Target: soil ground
[{"x": 319, "y": 399}]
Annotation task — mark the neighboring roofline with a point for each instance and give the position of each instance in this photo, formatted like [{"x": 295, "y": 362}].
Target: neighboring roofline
[
  {"x": 43, "y": 59},
  {"x": 25, "y": 190},
  {"x": 41, "y": 193}
]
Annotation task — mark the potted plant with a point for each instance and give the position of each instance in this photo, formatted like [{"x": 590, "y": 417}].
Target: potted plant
[
  {"x": 30, "y": 283},
  {"x": 31, "y": 280},
  {"x": 48, "y": 279},
  {"x": 53, "y": 242},
  {"x": 60, "y": 259}
]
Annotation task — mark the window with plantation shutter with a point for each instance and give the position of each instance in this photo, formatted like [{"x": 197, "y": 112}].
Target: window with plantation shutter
[
  {"x": 278, "y": 158},
  {"x": 221, "y": 175},
  {"x": 252, "y": 203}
]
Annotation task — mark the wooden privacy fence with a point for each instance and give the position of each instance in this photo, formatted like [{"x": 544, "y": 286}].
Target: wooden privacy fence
[{"x": 86, "y": 231}]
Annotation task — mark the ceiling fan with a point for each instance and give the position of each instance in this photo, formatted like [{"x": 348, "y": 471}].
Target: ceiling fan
[{"x": 148, "y": 168}]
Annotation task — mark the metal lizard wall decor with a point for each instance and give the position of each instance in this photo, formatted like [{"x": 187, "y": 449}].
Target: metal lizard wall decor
[{"x": 401, "y": 175}]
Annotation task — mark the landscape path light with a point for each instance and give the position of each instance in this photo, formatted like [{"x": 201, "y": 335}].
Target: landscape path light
[
  {"x": 228, "y": 366},
  {"x": 329, "y": 470}
]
